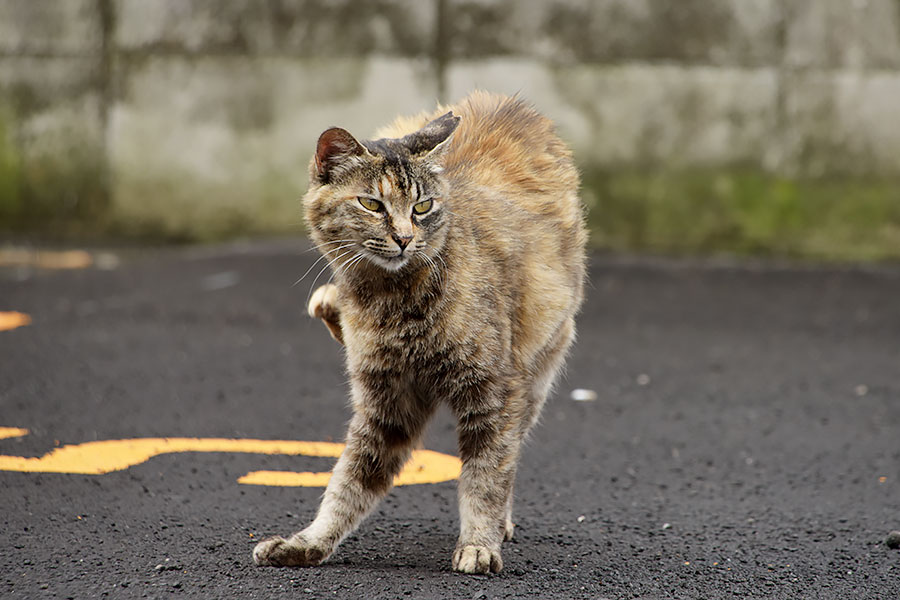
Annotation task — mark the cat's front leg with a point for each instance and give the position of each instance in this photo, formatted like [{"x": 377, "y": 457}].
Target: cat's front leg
[
  {"x": 377, "y": 447},
  {"x": 343, "y": 506},
  {"x": 489, "y": 448}
]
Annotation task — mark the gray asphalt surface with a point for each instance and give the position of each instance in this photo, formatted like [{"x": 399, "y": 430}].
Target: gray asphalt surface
[{"x": 745, "y": 441}]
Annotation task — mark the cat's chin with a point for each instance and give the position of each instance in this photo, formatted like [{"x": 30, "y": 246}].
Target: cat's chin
[{"x": 393, "y": 264}]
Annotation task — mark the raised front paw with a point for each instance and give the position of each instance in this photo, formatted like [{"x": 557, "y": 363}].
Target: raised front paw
[
  {"x": 323, "y": 303},
  {"x": 477, "y": 559},
  {"x": 295, "y": 552}
]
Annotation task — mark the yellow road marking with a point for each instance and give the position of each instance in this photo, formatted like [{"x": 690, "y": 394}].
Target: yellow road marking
[
  {"x": 424, "y": 466},
  {"x": 286, "y": 478},
  {"x": 11, "y": 320},
  {"x": 45, "y": 259},
  {"x": 11, "y": 432},
  {"x": 106, "y": 456}
]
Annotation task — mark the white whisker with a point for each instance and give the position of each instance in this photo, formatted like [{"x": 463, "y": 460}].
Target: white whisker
[
  {"x": 350, "y": 264},
  {"x": 344, "y": 268},
  {"x": 444, "y": 270},
  {"x": 337, "y": 258},
  {"x": 317, "y": 246},
  {"x": 434, "y": 267},
  {"x": 318, "y": 260}
]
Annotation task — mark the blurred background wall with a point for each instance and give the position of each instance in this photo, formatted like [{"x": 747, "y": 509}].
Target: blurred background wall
[{"x": 743, "y": 126}]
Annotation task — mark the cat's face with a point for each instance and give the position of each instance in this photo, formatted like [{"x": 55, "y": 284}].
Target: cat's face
[{"x": 380, "y": 201}]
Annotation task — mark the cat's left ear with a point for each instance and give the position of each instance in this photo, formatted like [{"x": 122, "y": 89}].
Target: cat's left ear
[{"x": 432, "y": 138}]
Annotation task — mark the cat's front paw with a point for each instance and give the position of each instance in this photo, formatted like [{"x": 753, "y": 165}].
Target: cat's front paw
[
  {"x": 477, "y": 559},
  {"x": 323, "y": 303},
  {"x": 295, "y": 552}
]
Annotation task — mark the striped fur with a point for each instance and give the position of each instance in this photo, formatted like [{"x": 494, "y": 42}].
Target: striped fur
[{"x": 471, "y": 303}]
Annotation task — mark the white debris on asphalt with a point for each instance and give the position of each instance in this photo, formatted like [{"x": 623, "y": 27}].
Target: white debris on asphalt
[
  {"x": 582, "y": 395},
  {"x": 106, "y": 261},
  {"x": 220, "y": 281}
]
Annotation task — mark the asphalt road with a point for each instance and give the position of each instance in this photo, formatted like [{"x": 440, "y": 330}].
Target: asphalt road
[{"x": 745, "y": 439}]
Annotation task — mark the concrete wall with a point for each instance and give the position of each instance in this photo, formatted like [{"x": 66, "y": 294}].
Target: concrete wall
[{"x": 196, "y": 118}]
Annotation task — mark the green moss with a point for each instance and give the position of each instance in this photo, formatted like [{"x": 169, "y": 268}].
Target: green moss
[
  {"x": 53, "y": 184},
  {"x": 63, "y": 189},
  {"x": 744, "y": 212},
  {"x": 10, "y": 196}
]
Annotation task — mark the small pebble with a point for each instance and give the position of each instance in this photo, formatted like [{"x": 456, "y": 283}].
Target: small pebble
[
  {"x": 581, "y": 395},
  {"x": 106, "y": 261},
  {"x": 220, "y": 281},
  {"x": 892, "y": 541}
]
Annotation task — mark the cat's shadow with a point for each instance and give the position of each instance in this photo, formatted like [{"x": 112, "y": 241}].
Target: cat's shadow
[{"x": 423, "y": 545}]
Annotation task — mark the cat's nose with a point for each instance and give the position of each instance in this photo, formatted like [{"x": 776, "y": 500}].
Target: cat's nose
[{"x": 402, "y": 240}]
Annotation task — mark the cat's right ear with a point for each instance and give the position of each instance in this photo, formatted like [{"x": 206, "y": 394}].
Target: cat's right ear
[{"x": 335, "y": 146}]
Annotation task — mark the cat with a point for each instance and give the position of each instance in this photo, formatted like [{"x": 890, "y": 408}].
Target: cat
[{"x": 457, "y": 245}]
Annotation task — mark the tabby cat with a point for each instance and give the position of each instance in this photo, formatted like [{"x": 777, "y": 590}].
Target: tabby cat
[{"x": 457, "y": 249}]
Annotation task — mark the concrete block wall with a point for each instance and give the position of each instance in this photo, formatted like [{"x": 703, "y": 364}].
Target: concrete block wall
[
  {"x": 52, "y": 110},
  {"x": 196, "y": 118}
]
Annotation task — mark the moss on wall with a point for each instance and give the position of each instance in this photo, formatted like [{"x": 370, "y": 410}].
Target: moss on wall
[
  {"x": 744, "y": 212},
  {"x": 64, "y": 192},
  {"x": 52, "y": 174},
  {"x": 10, "y": 196}
]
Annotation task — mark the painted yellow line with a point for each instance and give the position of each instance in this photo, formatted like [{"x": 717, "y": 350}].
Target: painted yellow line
[
  {"x": 425, "y": 466},
  {"x": 106, "y": 456},
  {"x": 45, "y": 259},
  {"x": 11, "y": 432},
  {"x": 12, "y": 320},
  {"x": 286, "y": 478}
]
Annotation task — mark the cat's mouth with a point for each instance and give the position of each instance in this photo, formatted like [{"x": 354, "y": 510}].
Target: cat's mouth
[{"x": 390, "y": 258}]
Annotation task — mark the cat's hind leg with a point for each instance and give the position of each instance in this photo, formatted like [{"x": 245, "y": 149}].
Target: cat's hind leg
[
  {"x": 546, "y": 371},
  {"x": 510, "y": 527},
  {"x": 323, "y": 305}
]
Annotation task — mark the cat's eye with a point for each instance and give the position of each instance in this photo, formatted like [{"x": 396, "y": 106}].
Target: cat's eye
[
  {"x": 422, "y": 207},
  {"x": 369, "y": 204}
]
